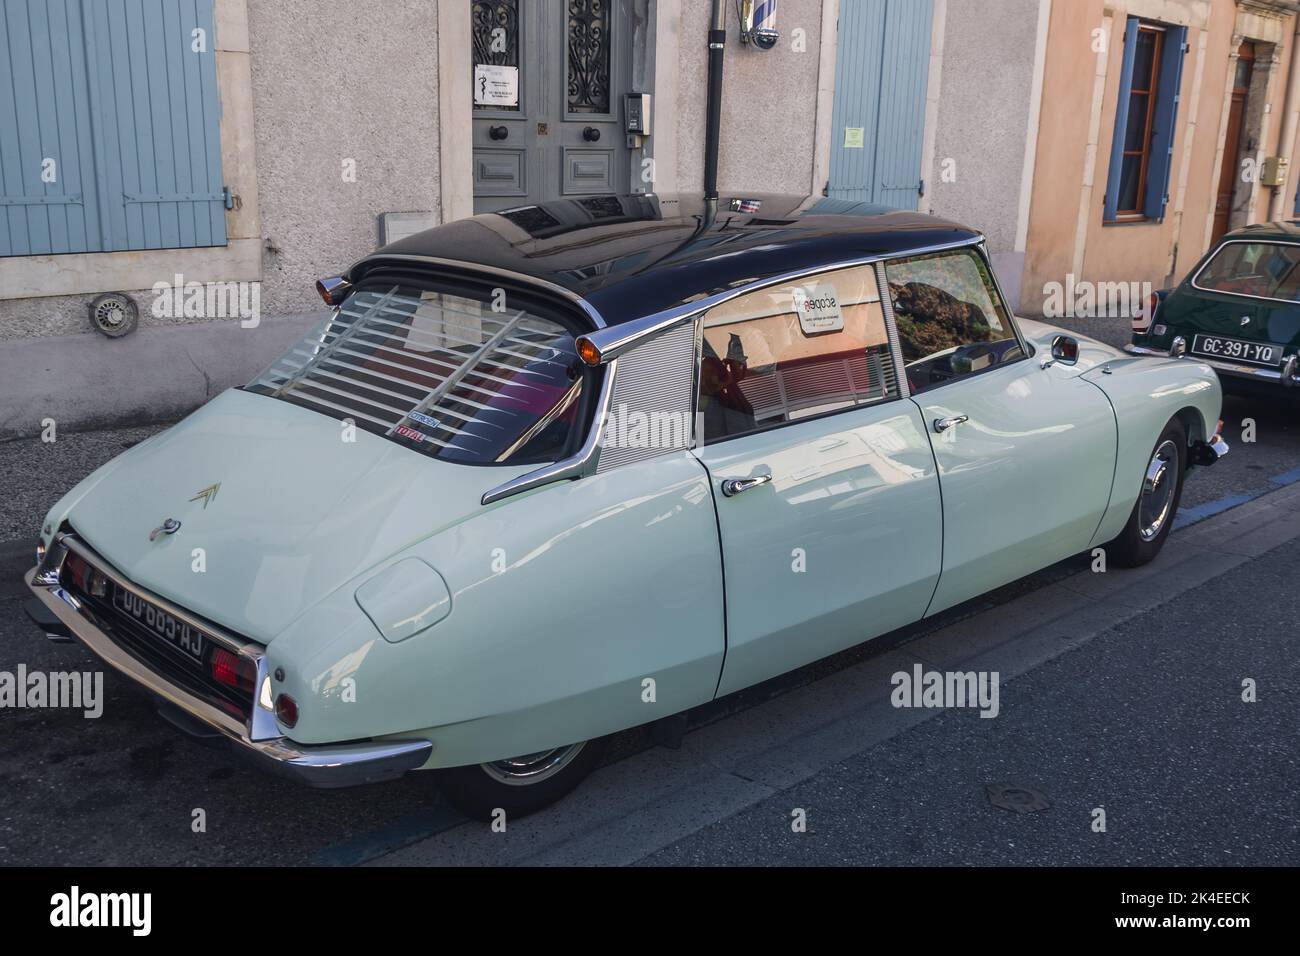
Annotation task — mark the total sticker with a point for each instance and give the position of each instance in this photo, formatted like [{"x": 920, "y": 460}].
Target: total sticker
[
  {"x": 407, "y": 432},
  {"x": 818, "y": 307}
]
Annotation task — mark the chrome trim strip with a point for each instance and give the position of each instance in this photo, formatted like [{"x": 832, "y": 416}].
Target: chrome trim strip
[
  {"x": 891, "y": 331},
  {"x": 597, "y": 319},
  {"x": 1242, "y": 295},
  {"x": 1002, "y": 299},
  {"x": 1231, "y": 368},
  {"x": 579, "y": 465},
  {"x": 326, "y": 766},
  {"x": 616, "y": 340}
]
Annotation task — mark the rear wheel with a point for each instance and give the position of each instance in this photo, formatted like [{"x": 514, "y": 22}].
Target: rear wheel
[
  {"x": 519, "y": 785},
  {"x": 1153, "y": 515}
]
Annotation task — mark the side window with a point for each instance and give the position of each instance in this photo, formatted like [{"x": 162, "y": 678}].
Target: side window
[
  {"x": 950, "y": 323},
  {"x": 793, "y": 352}
]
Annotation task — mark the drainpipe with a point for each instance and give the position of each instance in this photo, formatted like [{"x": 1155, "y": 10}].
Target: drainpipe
[
  {"x": 713, "y": 128},
  {"x": 1291, "y": 121}
]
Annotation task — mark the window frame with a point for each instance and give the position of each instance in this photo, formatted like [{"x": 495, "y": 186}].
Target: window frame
[
  {"x": 1152, "y": 94},
  {"x": 994, "y": 289},
  {"x": 1163, "y": 91},
  {"x": 891, "y": 345}
]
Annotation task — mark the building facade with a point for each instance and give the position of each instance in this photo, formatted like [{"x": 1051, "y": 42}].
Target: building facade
[{"x": 265, "y": 143}]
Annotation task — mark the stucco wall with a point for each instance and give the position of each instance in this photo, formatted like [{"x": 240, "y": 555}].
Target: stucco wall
[
  {"x": 983, "y": 116},
  {"x": 769, "y": 103},
  {"x": 336, "y": 80}
]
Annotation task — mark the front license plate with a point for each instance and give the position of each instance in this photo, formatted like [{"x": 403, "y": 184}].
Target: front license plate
[
  {"x": 1235, "y": 350},
  {"x": 186, "y": 639}
]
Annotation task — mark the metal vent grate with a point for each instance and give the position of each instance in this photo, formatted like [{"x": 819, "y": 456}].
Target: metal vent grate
[
  {"x": 429, "y": 369},
  {"x": 654, "y": 393}
]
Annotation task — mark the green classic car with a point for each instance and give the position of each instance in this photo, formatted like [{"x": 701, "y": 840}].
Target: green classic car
[
  {"x": 557, "y": 471},
  {"x": 1237, "y": 311}
]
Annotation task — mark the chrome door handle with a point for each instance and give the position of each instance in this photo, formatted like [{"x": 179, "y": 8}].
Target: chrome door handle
[
  {"x": 943, "y": 424},
  {"x": 734, "y": 486}
]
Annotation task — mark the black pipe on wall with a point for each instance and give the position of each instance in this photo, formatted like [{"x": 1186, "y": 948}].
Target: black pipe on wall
[{"x": 713, "y": 119}]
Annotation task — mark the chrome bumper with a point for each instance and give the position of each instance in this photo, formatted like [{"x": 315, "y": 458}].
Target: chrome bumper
[
  {"x": 1252, "y": 372},
  {"x": 325, "y": 766}
]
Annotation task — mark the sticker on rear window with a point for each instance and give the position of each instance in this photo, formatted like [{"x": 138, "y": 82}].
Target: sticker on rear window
[
  {"x": 407, "y": 432},
  {"x": 819, "y": 309},
  {"x": 424, "y": 419}
]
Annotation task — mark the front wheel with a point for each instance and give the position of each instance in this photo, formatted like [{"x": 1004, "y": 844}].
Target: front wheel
[
  {"x": 1153, "y": 515},
  {"x": 520, "y": 785}
]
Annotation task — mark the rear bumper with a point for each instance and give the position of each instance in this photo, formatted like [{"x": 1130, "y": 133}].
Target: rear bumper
[
  {"x": 258, "y": 740},
  {"x": 1235, "y": 369}
]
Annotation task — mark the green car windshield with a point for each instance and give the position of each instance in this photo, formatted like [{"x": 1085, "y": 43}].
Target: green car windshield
[
  {"x": 446, "y": 375},
  {"x": 1264, "y": 270}
]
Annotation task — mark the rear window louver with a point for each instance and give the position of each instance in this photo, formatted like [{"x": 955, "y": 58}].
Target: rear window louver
[{"x": 461, "y": 378}]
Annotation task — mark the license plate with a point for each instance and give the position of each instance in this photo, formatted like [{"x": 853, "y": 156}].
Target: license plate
[
  {"x": 186, "y": 639},
  {"x": 1235, "y": 350}
]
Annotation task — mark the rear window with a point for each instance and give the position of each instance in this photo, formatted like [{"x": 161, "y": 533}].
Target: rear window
[
  {"x": 449, "y": 375},
  {"x": 1262, "y": 269}
]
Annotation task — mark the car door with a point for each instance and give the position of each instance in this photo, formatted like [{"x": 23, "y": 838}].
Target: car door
[
  {"x": 1026, "y": 453},
  {"x": 826, "y": 489}
]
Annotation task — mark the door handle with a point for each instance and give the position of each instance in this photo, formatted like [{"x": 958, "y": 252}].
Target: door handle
[
  {"x": 591, "y": 134},
  {"x": 734, "y": 486},
  {"x": 941, "y": 425},
  {"x": 498, "y": 132}
]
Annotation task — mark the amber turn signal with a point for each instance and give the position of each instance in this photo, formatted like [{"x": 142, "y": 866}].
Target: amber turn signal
[
  {"x": 334, "y": 289},
  {"x": 588, "y": 352}
]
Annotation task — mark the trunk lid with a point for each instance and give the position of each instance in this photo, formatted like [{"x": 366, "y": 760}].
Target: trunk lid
[{"x": 292, "y": 511}]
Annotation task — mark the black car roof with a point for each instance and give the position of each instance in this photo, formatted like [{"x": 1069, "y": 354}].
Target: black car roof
[
  {"x": 632, "y": 256},
  {"x": 1286, "y": 230}
]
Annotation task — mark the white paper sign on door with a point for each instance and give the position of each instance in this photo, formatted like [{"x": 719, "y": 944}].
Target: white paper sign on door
[
  {"x": 819, "y": 309},
  {"x": 496, "y": 85}
]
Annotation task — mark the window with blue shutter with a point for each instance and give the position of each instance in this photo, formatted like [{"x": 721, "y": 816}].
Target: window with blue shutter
[
  {"x": 111, "y": 124},
  {"x": 1146, "y": 114}
]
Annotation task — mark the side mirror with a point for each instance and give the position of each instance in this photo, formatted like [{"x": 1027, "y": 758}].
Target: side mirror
[{"x": 1065, "y": 350}]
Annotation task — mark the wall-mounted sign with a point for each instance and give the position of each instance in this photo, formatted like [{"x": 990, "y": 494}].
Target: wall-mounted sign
[
  {"x": 496, "y": 85},
  {"x": 855, "y": 137},
  {"x": 819, "y": 309}
]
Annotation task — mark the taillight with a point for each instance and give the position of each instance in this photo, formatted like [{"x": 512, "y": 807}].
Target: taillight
[
  {"x": 233, "y": 671},
  {"x": 286, "y": 710},
  {"x": 77, "y": 571},
  {"x": 1142, "y": 321}
]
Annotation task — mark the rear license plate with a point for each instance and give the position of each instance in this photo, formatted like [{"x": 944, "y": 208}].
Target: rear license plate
[
  {"x": 166, "y": 627},
  {"x": 1235, "y": 350}
]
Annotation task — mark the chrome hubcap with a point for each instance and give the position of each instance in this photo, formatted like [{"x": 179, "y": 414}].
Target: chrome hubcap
[
  {"x": 1158, "y": 489},
  {"x": 532, "y": 768}
]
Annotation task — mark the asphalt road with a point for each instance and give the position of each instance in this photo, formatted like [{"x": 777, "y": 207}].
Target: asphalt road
[{"x": 1143, "y": 719}]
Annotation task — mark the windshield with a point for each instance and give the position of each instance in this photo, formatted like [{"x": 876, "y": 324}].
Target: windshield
[{"x": 447, "y": 375}]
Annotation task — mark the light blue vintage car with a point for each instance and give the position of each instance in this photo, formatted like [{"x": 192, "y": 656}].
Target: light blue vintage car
[{"x": 562, "y": 470}]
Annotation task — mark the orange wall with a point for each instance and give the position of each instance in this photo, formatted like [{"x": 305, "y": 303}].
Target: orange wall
[{"x": 1139, "y": 252}]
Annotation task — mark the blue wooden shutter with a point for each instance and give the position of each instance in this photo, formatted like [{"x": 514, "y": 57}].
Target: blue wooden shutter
[
  {"x": 1168, "y": 94},
  {"x": 115, "y": 93},
  {"x": 44, "y": 116},
  {"x": 1121, "y": 120},
  {"x": 881, "y": 75},
  {"x": 900, "y": 129}
]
